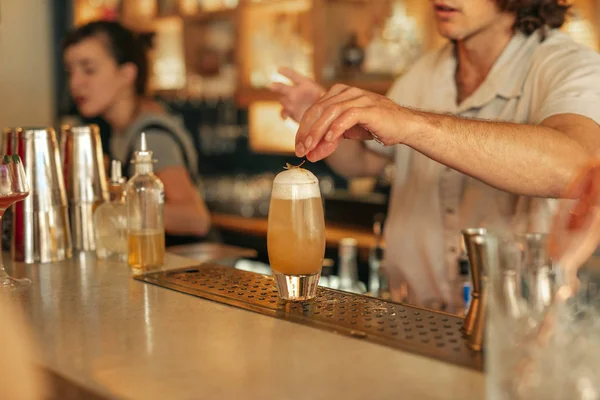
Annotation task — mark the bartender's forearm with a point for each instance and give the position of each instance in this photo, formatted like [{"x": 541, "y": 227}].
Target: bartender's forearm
[{"x": 533, "y": 160}]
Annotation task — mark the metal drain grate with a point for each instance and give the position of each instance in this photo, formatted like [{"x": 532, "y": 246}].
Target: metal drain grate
[{"x": 395, "y": 325}]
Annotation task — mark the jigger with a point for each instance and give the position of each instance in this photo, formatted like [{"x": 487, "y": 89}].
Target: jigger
[
  {"x": 481, "y": 255},
  {"x": 475, "y": 265}
]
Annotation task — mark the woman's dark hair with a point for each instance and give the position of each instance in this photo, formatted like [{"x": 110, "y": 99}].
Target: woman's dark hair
[
  {"x": 535, "y": 14},
  {"x": 122, "y": 44}
]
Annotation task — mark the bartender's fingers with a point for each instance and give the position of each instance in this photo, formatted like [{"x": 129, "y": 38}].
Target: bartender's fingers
[
  {"x": 296, "y": 77},
  {"x": 281, "y": 88},
  {"x": 306, "y": 140},
  {"x": 327, "y": 145},
  {"x": 284, "y": 114},
  {"x": 287, "y": 103},
  {"x": 316, "y": 126},
  {"x": 310, "y": 132},
  {"x": 340, "y": 92},
  {"x": 289, "y": 107},
  {"x": 323, "y": 150},
  {"x": 365, "y": 117}
]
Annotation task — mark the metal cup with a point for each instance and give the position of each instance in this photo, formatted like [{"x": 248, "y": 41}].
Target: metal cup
[
  {"x": 476, "y": 267},
  {"x": 40, "y": 223},
  {"x": 85, "y": 181}
]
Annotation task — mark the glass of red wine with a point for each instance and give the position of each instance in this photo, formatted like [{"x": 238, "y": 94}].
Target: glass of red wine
[{"x": 13, "y": 188}]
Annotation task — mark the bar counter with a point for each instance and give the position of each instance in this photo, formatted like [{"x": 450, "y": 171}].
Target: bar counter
[{"x": 102, "y": 333}]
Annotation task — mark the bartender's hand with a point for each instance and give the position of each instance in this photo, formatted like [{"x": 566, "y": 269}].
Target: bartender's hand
[
  {"x": 346, "y": 112},
  {"x": 296, "y": 99}
]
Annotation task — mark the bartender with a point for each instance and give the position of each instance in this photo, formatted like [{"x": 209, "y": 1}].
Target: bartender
[{"x": 483, "y": 132}]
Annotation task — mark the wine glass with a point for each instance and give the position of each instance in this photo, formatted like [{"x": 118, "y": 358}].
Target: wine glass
[
  {"x": 296, "y": 234},
  {"x": 13, "y": 188}
]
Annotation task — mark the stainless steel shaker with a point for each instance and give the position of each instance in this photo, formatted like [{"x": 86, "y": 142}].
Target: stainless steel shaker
[
  {"x": 85, "y": 181},
  {"x": 40, "y": 223}
]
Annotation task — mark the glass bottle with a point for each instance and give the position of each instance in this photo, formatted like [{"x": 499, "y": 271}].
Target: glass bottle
[
  {"x": 110, "y": 220},
  {"x": 145, "y": 214},
  {"x": 378, "y": 283},
  {"x": 348, "y": 268},
  {"x": 352, "y": 55}
]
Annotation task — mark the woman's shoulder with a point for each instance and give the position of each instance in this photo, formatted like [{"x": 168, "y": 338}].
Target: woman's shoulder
[
  {"x": 166, "y": 132},
  {"x": 157, "y": 122}
]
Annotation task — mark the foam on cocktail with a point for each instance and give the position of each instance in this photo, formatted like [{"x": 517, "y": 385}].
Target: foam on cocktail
[{"x": 295, "y": 183}]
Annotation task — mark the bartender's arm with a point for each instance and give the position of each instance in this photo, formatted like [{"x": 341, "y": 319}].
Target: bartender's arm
[{"x": 535, "y": 160}]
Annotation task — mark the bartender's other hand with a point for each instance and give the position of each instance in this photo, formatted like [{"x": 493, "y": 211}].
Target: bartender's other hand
[
  {"x": 297, "y": 98},
  {"x": 350, "y": 113}
]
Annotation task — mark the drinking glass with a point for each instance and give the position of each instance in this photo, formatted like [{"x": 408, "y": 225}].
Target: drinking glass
[
  {"x": 296, "y": 234},
  {"x": 527, "y": 357},
  {"x": 13, "y": 188}
]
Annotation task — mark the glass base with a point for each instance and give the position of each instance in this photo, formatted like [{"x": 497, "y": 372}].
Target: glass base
[
  {"x": 7, "y": 282},
  {"x": 296, "y": 287}
]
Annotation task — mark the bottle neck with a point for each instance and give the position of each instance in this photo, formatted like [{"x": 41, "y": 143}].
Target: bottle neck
[
  {"x": 143, "y": 168},
  {"x": 116, "y": 192}
]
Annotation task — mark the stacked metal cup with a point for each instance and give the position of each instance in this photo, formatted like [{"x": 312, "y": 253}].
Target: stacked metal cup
[
  {"x": 85, "y": 181},
  {"x": 474, "y": 324},
  {"x": 40, "y": 223}
]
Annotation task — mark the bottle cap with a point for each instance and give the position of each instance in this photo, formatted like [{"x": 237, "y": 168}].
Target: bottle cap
[
  {"x": 143, "y": 158},
  {"x": 143, "y": 155},
  {"x": 116, "y": 174}
]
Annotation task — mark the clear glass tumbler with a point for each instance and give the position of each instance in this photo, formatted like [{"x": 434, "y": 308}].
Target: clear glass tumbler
[
  {"x": 536, "y": 347},
  {"x": 296, "y": 234}
]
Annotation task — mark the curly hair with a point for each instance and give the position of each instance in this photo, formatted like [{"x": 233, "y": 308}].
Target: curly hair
[{"x": 535, "y": 14}]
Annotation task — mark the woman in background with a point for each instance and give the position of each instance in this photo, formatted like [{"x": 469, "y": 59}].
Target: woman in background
[{"x": 107, "y": 76}]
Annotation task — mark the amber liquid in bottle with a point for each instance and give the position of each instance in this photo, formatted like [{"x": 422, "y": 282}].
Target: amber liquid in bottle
[{"x": 145, "y": 249}]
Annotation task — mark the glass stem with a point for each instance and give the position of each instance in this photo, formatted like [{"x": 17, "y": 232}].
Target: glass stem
[{"x": 3, "y": 274}]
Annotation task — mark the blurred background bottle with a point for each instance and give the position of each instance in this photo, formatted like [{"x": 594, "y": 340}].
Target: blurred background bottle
[
  {"x": 378, "y": 283},
  {"x": 110, "y": 220},
  {"x": 348, "y": 268}
]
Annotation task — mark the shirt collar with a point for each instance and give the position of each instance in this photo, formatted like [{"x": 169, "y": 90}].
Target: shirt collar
[{"x": 505, "y": 79}]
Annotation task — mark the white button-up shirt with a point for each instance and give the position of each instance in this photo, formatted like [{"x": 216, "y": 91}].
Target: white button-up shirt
[{"x": 430, "y": 203}]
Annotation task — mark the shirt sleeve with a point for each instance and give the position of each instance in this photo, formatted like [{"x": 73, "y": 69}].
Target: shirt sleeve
[
  {"x": 165, "y": 149},
  {"x": 568, "y": 82}
]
